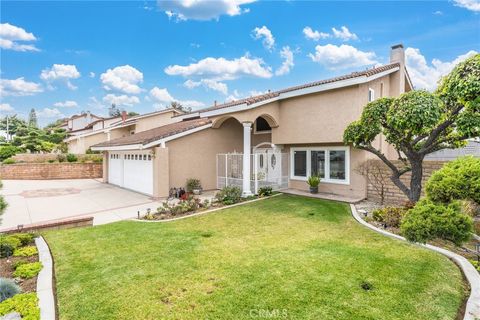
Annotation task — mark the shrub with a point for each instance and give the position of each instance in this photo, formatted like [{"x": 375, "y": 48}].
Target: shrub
[
  {"x": 265, "y": 191},
  {"x": 428, "y": 221},
  {"x": 313, "y": 181},
  {"x": 71, "y": 157},
  {"x": 51, "y": 161},
  {"x": 456, "y": 180},
  {"x": 8, "y": 161},
  {"x": 7, "y": 245},
  {"x": 61, "y": 158},
  {"x": 8, "y": 288},
  {"x": 25, "y": 238},
  {"x": 24, "y": 303},
  {"x": 18, "y": 263},
  {"x": 475, "y": 264},
  {"x": 28, "y": 270},
  {"x": 192, "y": 184},
  {"x": 229, "y": 195},
  {"x": 8, "y": 152},
  {"x": 25, "y": 251},
  {"x": 3, "y": 204},
  {"x": 389, "y": 216}
]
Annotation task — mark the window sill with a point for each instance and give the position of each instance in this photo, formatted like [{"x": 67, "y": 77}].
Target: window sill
[{"x": 330, "y": 181}]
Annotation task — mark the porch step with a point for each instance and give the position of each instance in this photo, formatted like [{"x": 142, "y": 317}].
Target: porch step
[{"x": 320, "y": 195}]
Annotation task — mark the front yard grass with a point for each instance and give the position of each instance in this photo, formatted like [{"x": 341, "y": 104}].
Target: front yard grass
[{"x": 294, "y": 257}]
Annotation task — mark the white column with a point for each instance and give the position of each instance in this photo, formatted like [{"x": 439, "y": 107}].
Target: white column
[{"x": 247, "y": 128}]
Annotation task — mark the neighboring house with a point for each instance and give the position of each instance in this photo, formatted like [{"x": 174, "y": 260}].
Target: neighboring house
[
  {"x": 278, "y": 139},
  {"x": 79, "y": 123},
  {"x": 471, "y": 149},
  {"x": 117, "y": 127}
]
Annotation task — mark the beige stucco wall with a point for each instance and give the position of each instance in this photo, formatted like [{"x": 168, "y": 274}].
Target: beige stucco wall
[
  {"x": 80, "y": 145},
  {"x": 155, "y": 121},
  {"x": 194, "y": 156},
  {"x": 161, "y": 168}
]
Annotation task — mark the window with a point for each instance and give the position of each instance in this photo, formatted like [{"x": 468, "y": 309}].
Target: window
[
  {"x": 318, "y": 163},
  {"x": 300, "y": 163},
  {"x": 371, "y": 94},
  {"x": 332, "y": 164},
  {"x": 260, "y": 158},
  {"x": 261, "y": 126},
  {"x": 337, "y": 164}
]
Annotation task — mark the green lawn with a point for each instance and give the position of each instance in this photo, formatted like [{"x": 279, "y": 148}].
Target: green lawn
[{"x": 287, "y": 256}]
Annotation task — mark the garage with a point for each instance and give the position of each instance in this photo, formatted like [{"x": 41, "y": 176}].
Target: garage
[{"x": 131, "y": 170}]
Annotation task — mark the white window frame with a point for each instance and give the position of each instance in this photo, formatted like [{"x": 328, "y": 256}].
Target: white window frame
[
  {"x": 327, "y": 150},
  {"x": 371, "y": 93}
]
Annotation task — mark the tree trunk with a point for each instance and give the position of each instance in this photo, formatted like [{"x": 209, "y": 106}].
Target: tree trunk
[{"x": 416, "y": 180}]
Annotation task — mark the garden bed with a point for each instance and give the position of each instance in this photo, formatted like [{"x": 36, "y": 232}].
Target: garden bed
[{"x": 19, "y": 268}]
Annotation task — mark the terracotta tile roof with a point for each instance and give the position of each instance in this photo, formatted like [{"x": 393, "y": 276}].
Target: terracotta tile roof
[
  {"x": 273, "y": 94},
  {"x": 155, "y": 134}
]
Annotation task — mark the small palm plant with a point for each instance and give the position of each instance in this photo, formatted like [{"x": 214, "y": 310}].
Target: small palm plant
[{"x": 313, "y": 181}]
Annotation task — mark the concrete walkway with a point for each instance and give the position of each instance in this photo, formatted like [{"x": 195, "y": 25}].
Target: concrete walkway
[{"x": 321, "y": 195}]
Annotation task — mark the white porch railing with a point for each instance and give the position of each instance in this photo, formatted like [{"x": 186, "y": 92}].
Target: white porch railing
[{"x": 268, "y": 169}]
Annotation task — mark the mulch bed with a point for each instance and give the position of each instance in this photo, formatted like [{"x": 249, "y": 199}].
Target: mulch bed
[{"x": 6, "y": 271}]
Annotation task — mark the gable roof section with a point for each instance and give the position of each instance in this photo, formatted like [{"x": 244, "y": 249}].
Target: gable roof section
[
  {"x": 364, "y": 76},
  {"x": 143, "y": 139}
]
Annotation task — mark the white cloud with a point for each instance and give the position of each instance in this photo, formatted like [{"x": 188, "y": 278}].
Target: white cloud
[
  {"x": 268, "y": 39},
  {"x": 10, "y": 36},
  {"x": 66, "y": 104},
  {"x": 472, "y": 5},
  {"x": 340, "y": 57},
  {"x": 61, "y": 72},
  {"x": 121, "y": 100},
  {"x": 207, "y": 83},
  {"x": 6, "y": 108},
  {"x": 222, "y": 69},
  {"x": 426, "y": 76},
  {"x": 314, "y": 34},
  {"x": 344, "y": 34},
  {"x": 18, "y": 87},
  {"x": 164, "y": 98},
  {"x": 50, "y": 113},
  {"x": 202, "y": 9},
  {"x": 438, "y": 13},
  {"x": 287, "y": 64},
  {"x": 125, "y": 79},
  {"x": 91, "y": 74}
]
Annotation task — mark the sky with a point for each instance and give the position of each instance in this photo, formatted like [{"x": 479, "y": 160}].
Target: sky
[{"x": 65, "y": 57}]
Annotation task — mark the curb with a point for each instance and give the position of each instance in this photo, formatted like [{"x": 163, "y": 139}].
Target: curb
[
  {"x": 472, "y": 310},
  {"x": 207, "y": 211},
  {"x": 46, "y": 298}
]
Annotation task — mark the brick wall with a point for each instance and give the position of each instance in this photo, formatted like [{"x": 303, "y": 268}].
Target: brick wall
[
  {"x": 46, "y": 171},
  {"x": 393, "y": 195}
]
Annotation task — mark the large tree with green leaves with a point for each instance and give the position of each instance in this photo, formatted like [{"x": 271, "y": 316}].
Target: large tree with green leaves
[
  {"x": 419, "y": 122},
  {"x": 32, "y": 119}
]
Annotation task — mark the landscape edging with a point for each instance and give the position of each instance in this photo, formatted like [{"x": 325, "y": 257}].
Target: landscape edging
[
  {"x": 472, "y": 310},
  {"x": 208, "y": 211},
  {"x": 46, "y": 297}
]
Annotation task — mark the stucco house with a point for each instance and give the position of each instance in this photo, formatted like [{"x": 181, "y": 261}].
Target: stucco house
[
  {"x": 278, "y": 139},
  {"x": 106, "y": 129}
]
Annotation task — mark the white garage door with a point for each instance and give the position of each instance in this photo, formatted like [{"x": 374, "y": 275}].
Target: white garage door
[
  {"x": 115, "y": 169},
  {"x": 132, "y": 170}
]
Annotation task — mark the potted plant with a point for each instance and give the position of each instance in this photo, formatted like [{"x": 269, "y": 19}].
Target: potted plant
[
  {"x": 313, "y": 181},
  {"x": 194, "y": 186}
]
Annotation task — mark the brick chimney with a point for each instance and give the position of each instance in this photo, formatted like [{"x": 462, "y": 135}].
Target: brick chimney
[{"x": 124, "y": 115}]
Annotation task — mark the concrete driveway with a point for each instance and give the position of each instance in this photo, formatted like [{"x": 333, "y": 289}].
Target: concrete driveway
[{"x": 32, "y": 201}]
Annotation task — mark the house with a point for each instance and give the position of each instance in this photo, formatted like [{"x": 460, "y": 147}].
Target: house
[
  {"x": 106, "y": 129},
  {"x": 276, "y": 139},
  {"x": 76, "y": 124}
]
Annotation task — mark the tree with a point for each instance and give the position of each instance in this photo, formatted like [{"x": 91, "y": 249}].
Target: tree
[
  {"x": 32, "y": 119},
  {"x": 178, "y": 106},
  {"x": 14, "y": 123},
  {"x": 419, "y": 122},
  {"x": 113, "y": 111},
  {"x": 375, "y": 175},
  {"x": 132, "y": 114}
]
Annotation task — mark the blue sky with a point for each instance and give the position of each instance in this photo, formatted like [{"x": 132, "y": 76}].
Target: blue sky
[{"x": 63, "y": 57}]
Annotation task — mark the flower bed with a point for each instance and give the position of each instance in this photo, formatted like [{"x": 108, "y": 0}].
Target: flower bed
[{"x": 19, "y": 268}]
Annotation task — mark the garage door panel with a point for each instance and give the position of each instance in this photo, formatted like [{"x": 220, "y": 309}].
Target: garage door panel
[
  {"x": 115, "y": 169},
  {"x": 138, "y": 172}
]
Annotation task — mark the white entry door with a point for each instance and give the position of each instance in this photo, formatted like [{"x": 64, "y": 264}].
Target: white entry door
[
  {"x": 138, "y": 172},
  {"x": 115, "y": 169}
]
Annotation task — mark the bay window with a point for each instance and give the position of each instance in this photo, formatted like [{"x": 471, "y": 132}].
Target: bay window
[{"x": 331, "y": 164}]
